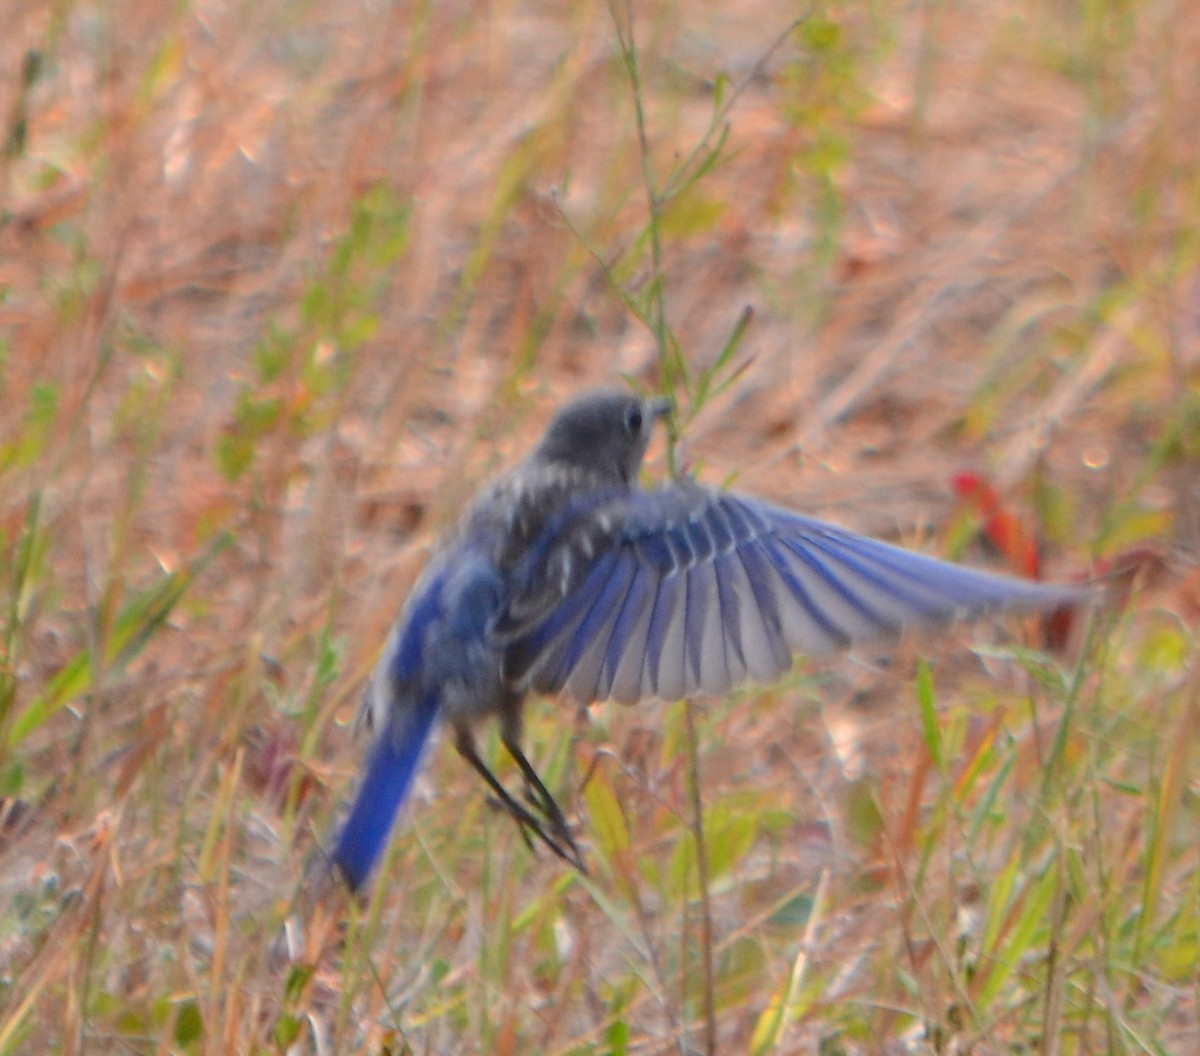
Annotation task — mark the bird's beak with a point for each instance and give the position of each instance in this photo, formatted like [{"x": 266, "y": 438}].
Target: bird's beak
[{"x": 659, "y": 407}]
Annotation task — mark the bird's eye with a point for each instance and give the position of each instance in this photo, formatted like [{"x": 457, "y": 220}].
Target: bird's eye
[{"x": 633, "y": 419}]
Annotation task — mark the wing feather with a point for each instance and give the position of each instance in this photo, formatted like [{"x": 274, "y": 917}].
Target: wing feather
[
  {"x": 583, "y": 662},
  {"x": 628, "y": 639},
  {"x": 663, "y": 672},
  {"x": 699, "y": 591}
]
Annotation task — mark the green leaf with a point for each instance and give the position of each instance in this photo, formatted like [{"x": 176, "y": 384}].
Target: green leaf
[
  {"x": 35, "y": 428},
  {"x": 608, "y": 819},
  {"x": 691, "y": 214},
  {"x": 1031, "y": 922},
  {"x": 189, "y": 1026},
  {"x": 617, "y": 1037},
  {"x": 863, "y": 819},
  {"x": 794, "y": 913},
  {"x": 741, "y": 972},
  {"x": 729, "y": 836},
  {"x": 297, "y": 981},
  {"x": 929, "y": 716},
  {"x": 287, "y": 1030}
]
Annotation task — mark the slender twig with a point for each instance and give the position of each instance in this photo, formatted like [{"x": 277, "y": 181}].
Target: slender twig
[
  {"x": 623, "y": 23},
  {"x": 706, "y": 935},
  {"x": 681, "y": 176}
]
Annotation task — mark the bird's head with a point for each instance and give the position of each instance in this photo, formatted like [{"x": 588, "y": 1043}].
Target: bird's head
[{"x": 605, "y": 433}]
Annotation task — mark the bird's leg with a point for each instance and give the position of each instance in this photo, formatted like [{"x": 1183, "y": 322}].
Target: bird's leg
[
  {"x": 527, "y": 823},
  {"x": 540, "y": 796}
]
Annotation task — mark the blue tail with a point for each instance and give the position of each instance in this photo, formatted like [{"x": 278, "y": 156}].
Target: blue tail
[{"x": 391, "y": 766}]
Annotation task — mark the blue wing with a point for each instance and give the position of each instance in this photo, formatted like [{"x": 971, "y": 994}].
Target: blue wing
[{"x": 699, "y": 591}]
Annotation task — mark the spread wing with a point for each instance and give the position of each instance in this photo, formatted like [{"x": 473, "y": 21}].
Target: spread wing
[{"x": 683, "y": 590}]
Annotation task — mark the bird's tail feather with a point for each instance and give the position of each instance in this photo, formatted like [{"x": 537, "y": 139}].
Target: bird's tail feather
[{"x": 391, "y": 767}]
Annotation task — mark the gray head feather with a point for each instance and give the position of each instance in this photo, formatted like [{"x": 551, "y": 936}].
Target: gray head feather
[{"x": 605, "y": 433}]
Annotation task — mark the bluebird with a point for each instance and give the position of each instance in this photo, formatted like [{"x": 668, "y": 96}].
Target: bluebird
[{"x": 566, "y": 574}]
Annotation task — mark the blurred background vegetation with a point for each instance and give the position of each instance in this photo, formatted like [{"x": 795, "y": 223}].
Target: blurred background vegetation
[{"x": 281, "y": 283}]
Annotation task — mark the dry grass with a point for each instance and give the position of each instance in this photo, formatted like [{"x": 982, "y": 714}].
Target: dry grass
[{"x": 279, "y": 284}]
